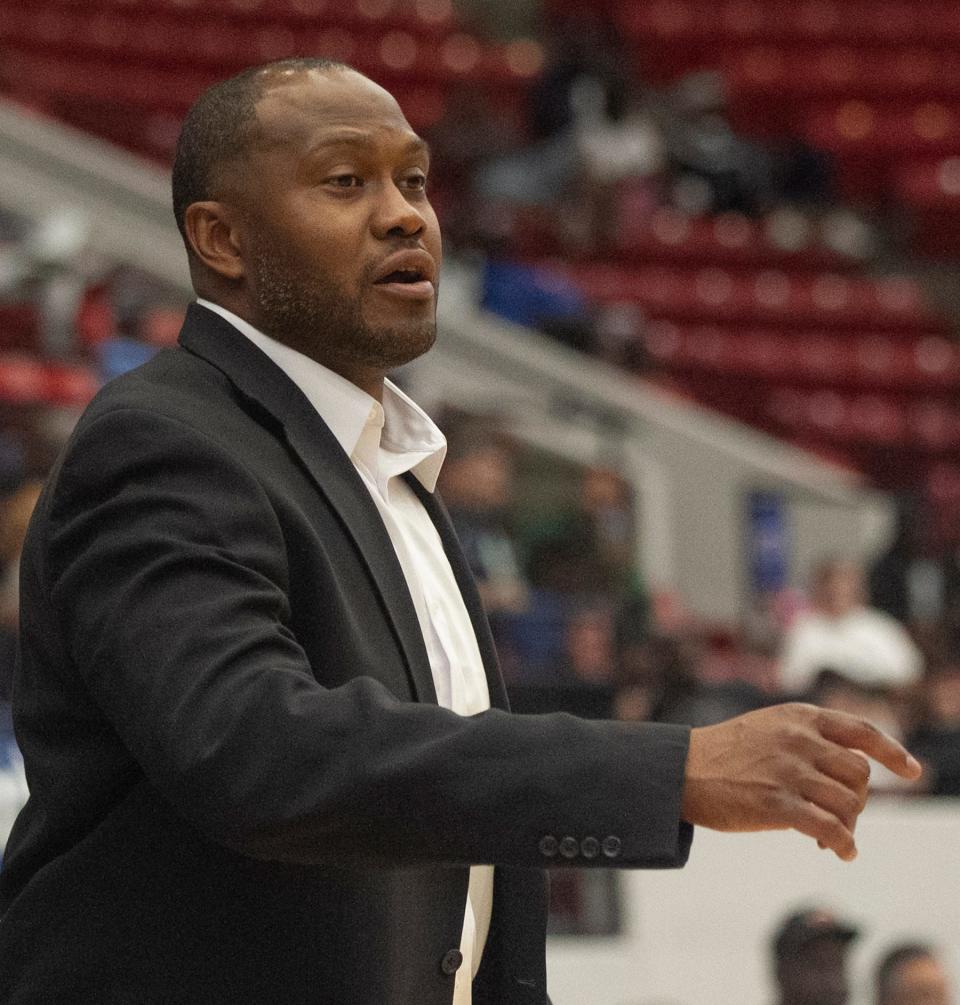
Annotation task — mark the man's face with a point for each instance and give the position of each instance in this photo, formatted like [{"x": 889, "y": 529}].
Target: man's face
[
  {"x": 816, "y": 974},
  {"x": 340, "y": 245}
]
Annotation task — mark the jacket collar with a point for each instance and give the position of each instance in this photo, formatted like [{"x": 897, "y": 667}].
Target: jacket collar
[{"x": 258, "y": 378}]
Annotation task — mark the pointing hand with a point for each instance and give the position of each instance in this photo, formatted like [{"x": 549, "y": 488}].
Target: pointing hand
[{"x": 791, "y": 766}]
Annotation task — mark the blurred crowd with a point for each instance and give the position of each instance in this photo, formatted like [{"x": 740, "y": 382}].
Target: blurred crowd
[
  {"x": 592, "y": 154},
  {"x": 577, "y": 629},
  {"x": 811, "y": 965},
  {"x": 592, "y": 158}
]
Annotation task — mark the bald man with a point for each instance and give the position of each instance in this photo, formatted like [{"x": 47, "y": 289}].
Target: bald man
[{"x": 268, "y": 746}]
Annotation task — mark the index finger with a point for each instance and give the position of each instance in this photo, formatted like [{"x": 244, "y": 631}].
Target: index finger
[{"x": 859, "y": 734}]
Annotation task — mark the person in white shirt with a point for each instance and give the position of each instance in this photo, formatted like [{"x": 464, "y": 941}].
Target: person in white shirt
[
  {"x": 841, "y": 633},
  {"x": 270, "y": 753}
]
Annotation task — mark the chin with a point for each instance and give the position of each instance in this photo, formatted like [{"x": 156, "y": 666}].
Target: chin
[{"x": 398, "y": 346}]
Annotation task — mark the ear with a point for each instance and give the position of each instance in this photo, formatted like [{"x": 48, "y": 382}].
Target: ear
[{"x": 213, "y": 234}]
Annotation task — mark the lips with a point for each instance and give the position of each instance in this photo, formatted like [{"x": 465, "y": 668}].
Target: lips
[{"x": 411, "y": 274}]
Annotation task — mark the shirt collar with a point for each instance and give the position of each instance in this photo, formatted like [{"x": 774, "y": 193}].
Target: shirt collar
[{"x": 388, "y": 440}]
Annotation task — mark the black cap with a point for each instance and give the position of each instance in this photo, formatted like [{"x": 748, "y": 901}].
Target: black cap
[{"x": 804, "y": 927}]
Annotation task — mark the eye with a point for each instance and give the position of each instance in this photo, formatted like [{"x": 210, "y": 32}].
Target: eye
[
  {"x": 345, "y": 181},
  {"x": 417, "y": 181}
]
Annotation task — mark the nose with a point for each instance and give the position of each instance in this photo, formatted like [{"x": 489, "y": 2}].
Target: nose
[{"x": 395, "y": 215}]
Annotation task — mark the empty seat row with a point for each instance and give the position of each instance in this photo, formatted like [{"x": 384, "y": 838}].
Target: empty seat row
[
  {"x": 419, "y": 15},
  {"x": 765, "y": 72},
  {"x": 867, "y": 418},
  {"x": 95, "y": 48},
  {"x": 774, "y": 296},
  {"x": 930, "y": 363},
  {"x": 731, "y": 240},
  {"x": 818, "y": 20}
]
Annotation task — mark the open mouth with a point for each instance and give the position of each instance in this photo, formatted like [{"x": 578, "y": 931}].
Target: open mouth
[
  {"x": 406, "y": 276},
  {"x": 409, "y": 283}
]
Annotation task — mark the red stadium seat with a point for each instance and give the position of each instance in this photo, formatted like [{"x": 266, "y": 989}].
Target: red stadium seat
[{"x": 826, "y": 300}]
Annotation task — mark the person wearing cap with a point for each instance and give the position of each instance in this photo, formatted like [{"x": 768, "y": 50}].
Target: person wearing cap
[{"x": 810, "y": 958}]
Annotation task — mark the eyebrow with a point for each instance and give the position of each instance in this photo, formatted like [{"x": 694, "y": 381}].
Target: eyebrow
[{"x": 357, "y": 137}]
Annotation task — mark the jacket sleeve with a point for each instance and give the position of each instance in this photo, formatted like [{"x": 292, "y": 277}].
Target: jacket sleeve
[{"x": 166, "y": 564}]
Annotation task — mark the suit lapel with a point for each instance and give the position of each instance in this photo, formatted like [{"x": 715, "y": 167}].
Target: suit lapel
[
  {"x": 257, "y": 377},
  {"x": 468, "y": 588}
]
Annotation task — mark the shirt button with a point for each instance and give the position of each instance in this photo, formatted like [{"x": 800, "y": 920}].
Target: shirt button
[
  {"x": 589, "y": 847},
  {"x": 452, "y": 961},
  {"x": 569, "y": 847},
  {"x": 549, "y": 846},
  {"x": 611, "y": 846}
]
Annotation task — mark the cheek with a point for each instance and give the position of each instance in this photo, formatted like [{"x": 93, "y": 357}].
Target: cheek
[
  {"x": 432, "y": 237},
  {"x": 325, "y": 239}
]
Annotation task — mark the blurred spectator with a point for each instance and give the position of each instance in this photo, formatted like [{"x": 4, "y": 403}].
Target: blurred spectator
[
  {"x": 14, "y": 517},
  {"x": 847, "y": 656},
  {"x": 912, "y": 974},
  {"x": 810, "y": 959},
  {"x": 917, "y": 580},
  {"x": 908, "y": 580},
  {"x": 477, "y": 486},
  {"x": 622, "y": 158},
  {"x": 593, "y": 137},
  {"x": 582, "y": 46},
  {"x": 589, "y": 644},
  {"x": 607, "y": 505},
  {"x": 468, "y": 134},
  {"x": 866, "y": 646},
  {"x": 537, "y": 296},
  {"x": 659, "y": 679},
  {"x": 717, "y": 170},
  {"x": 936, "y": 738}
]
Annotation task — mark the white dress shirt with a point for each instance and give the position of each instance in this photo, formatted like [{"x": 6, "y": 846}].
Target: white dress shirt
[{"x": 383, "y": 442}]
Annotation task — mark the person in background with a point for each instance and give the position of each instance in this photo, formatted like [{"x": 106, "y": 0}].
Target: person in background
[
  {"x": 911, "y": 974},
  {"x": 15, "y": 514},
  {"x": 864, "y": 645},
  {"x": 936, "y": 737},
  {"x": 847, "y": 656},
  {"x": 477, "y": 483},
  {"x": 810, "y": 958}
]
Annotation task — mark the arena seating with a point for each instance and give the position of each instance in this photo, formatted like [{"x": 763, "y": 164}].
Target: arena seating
[
  {"x": 128, "y": 70},
  {"x": 747, "y": 315},
  {"x": 873, "y": 83}
]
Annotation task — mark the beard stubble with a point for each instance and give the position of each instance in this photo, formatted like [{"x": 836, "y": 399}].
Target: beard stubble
[{"x": 315, "y": 316}]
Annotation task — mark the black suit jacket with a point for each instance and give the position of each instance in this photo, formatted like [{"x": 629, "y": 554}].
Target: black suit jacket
[{"x": 242, "y": 788}]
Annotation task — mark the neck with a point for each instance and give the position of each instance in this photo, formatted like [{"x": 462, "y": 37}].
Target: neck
[{"x": 368, "y": 379}]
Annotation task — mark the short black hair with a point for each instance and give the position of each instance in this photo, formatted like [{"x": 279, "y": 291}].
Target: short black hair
[
  {"x": 895, "y": 958},
  {"x": 218, "y": 128}
]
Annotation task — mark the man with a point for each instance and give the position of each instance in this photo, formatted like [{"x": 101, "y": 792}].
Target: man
[
  {"x": 911, "y": 974},
  {"x": 810, "y": 959},
  {"x": 867, "y": 647},
  {"x": 267, "y": 743}
]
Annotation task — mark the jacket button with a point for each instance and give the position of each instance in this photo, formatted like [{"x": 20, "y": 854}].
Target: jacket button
[
  {"x": 549, "y": 846},
  {"x": 589, "y": 847},
  {"x": 452, "y": 961},
  {"x": 611, "y": 846},
  {"x": 569, "y": 847}
]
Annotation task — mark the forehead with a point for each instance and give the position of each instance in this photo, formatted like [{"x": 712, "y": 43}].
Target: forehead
[
  {"x": 924, "y": 971},
  {"x": 302, "y": 108}
]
